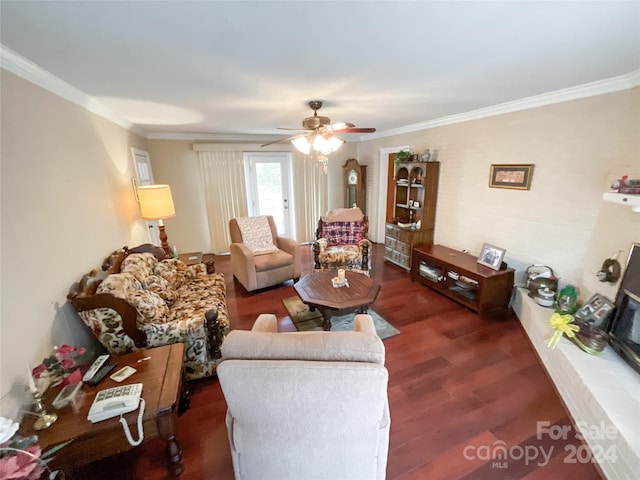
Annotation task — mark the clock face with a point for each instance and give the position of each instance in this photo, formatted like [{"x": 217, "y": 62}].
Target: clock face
[{"x": 352, "y": 178}]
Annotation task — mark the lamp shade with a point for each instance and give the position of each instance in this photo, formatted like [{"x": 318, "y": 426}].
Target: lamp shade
[{"x": 156, "y": 202}]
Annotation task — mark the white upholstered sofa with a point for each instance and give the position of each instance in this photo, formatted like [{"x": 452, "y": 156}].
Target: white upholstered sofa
[{"x": 309, "y": 405}]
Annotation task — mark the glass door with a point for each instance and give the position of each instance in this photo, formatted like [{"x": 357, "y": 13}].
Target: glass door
[{"x": 269, "y": 187}]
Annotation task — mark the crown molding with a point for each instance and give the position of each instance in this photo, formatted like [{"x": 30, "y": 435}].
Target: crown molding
[
  {"x": 14, "y": 63},
  {"x": 215, "y": 137},
  {"x": 600, "y": 87},
  {"x": 29, "y": 71}
]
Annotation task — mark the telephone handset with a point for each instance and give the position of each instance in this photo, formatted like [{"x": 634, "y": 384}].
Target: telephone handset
[{"x": 116, "y": 401}]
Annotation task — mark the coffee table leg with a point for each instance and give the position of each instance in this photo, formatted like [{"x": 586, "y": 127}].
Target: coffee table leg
[
  {"x": 166, "y": 429},
  {"x": 326, "y": 324}
]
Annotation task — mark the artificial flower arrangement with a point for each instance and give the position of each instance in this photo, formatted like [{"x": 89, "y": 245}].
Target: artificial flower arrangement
[
  {"x": 22, "y": 458},
  {"x": 590, "y": 339},
  {"x": 62, "y": 366}
]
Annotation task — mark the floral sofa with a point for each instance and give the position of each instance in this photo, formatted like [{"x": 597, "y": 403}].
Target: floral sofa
[
  {"x": 341, "y": 241},
  {"x": 141, "y": 299}
]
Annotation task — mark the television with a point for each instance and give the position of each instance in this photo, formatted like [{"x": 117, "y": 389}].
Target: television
[{"x": 624, "y": 327}]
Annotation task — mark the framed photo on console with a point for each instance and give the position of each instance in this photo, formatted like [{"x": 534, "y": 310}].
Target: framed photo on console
[
  {"x": 596, "y": 311},
  {"x": 491, "y": 256}
]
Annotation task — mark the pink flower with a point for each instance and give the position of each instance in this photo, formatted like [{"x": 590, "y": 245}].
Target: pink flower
[
  {"x": 72, "y": 378},
  {"x": 68, "y": 364},
  {"x": 37, "y": 371},
  {"x": 21, "y": 466},
  {"x": 82, "y": 351},
  {"x": 66, "y": 349}
]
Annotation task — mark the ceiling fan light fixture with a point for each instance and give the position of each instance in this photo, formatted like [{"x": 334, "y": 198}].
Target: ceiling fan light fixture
[
  {"x": 302, "y": 144},
  {"x": 335, "y": 143},
  {"x": 326, "y": 144},
  {"x": 320, "y": 144}
]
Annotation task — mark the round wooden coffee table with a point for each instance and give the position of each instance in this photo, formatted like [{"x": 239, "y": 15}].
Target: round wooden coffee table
[{"x": 317, "y": 291}]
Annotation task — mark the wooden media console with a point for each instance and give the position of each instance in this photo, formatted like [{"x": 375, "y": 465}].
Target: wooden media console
[{"x": 460, "y": 277}]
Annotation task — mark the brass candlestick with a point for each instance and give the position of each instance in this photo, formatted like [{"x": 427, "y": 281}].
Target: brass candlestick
[{"x": 45, "y": 420}]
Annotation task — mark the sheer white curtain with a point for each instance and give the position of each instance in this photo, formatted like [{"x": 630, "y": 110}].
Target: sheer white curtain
[
  {"x": 223, "y": 180},
  {"x": 224, "y": 192},
  {"x": 310, "y": 196}
]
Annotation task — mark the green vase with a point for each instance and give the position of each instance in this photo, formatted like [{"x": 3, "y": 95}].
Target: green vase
[{"x": 567, "y": 300}]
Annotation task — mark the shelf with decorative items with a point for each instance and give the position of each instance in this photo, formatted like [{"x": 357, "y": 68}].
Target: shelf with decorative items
[
  {"x": 411, "y": 213},
  {"x": 625, "y": 191}
]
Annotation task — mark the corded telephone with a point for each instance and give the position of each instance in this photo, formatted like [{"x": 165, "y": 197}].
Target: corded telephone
[{"x": 118, "y": 401}]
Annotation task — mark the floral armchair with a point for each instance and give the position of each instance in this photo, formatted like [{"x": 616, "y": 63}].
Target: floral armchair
[
  {"x": 146, "y": 300},
  {"x": 341, "y": 241}
]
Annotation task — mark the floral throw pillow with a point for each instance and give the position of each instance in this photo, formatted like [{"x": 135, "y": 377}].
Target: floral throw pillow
[
  {"x": 173, "y": 271},
  {"x": 150, "y": 306},
  {"x": 162, "y": 288},
  {"x": 121, "y": 285},
  {"x": 140, "y": 265}
]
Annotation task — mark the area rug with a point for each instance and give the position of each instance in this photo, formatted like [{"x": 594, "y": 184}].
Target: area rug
[{"x": 304, "y": 319}]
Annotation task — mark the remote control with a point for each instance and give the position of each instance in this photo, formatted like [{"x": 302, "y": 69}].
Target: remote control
[
  {"x": 95, "y": 366},
  {"x": 102, "y": 372}
]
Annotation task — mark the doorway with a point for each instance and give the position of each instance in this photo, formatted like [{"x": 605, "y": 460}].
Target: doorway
[{"x": 268, "y": 180}]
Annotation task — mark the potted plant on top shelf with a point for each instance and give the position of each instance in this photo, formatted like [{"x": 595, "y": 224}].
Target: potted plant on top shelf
[{"x": 403, "y": 156}]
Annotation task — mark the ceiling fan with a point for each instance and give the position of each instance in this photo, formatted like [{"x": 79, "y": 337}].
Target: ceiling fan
[{"x": 318, "y": 133}]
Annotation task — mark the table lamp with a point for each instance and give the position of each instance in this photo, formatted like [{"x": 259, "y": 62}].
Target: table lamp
[{"x": 156, "y": 203}]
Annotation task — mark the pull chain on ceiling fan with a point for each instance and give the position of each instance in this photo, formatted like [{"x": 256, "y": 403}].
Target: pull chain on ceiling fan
[{"x": 318, "y": 137}]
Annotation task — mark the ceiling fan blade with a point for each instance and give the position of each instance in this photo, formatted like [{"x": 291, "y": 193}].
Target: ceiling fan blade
[
  {"x": 299, "y": 129},
  {"x": 341, "y": 125},
  {"x": 285, "y": 139},
  {"x": 354, "y": 130}
]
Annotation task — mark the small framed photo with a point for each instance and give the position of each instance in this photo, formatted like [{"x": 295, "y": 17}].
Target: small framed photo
[
  {"x": 491, "y": 256},
  {"x": 517, "y": 177},
  {"x": 596, "y": 311}
]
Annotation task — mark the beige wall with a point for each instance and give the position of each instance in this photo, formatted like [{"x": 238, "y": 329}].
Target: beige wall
[
  {"x": 578, "y": 148},
  {"x": 67, "y": 202},
  {"x": 176, "y": 163}
]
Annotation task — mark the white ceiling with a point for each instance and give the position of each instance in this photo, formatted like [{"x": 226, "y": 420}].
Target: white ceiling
[{"x": 214, "y": 67}]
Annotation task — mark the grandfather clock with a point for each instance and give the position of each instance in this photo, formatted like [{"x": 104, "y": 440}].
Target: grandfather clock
[{"x": 355, "y": 181}]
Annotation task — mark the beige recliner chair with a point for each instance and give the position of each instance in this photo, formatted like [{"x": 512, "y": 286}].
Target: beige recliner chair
[
  {"x": 259, "y": 257},
  {"x": 306, "y": 405}
]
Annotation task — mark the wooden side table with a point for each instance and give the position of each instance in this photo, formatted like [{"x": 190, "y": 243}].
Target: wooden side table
[
  {"x": 190, "y": 258},
  {"x": 160, "y": 371},
  {"x": 194, "y": 258}
]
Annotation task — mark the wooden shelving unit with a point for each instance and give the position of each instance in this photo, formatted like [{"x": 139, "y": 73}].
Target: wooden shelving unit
[{"x": 415, "y": 193}]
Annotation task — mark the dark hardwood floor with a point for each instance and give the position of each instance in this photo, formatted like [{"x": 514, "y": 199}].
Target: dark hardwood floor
[{"x": 459, "y": 388}]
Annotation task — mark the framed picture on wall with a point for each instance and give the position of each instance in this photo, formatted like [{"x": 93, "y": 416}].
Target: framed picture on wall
[
  {"x": 491, "y": 256},
  {"x": 517, "y": 177}
]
